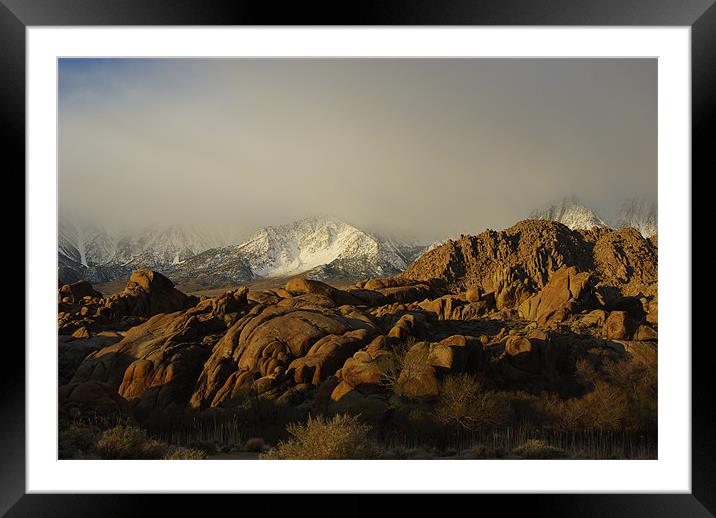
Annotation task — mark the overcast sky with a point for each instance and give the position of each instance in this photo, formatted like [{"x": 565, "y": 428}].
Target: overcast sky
[{"x": 420, "y": 148}]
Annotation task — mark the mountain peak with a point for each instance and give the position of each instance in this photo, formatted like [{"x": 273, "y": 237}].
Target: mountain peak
[
  {"x": 308, "y": 243},
  {"x": 570, "y": 212},
  {"x": 639, "y": 214}
]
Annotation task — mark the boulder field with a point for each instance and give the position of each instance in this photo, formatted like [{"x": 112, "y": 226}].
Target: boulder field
[{"x": 519, "y": 307}]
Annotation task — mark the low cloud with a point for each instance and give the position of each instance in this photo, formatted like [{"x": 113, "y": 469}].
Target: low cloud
[{"x": 414, "y": 147}]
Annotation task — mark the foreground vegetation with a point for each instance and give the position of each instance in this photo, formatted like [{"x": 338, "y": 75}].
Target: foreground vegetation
[
  {"x": 613, "y": 417},
  {"x": 533, "y": 342}
]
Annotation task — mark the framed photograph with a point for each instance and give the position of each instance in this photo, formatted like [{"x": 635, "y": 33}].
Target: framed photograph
[{"x": 416, "y": 251}]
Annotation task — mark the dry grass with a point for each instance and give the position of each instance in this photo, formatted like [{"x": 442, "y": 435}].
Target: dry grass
[
  {"x": 185, "y": 454},
  {"x": 128, "y": 442},
  {"x": 537, "y": 449},
  {"x": 342, "y": 437},
  {"x": 464, "y": 403}
]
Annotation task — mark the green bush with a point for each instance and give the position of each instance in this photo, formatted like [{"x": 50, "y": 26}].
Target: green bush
[
  {"x": 342, "y": 437},
  {"x": 536, "y": 449}
]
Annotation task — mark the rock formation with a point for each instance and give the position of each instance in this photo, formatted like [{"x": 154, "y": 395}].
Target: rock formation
[{"x": 518, "y": 308}]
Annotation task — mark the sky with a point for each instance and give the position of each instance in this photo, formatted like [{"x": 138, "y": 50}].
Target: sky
[{"x": 417, "y": 148}]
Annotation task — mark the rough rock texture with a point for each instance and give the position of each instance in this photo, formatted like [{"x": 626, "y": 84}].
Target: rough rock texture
[
  {"x": 71, "y": 353},
  {"x": 155, "y": 365},
  {"x": 418, "y": 378},
  {"x": 619, "y": 326},
  {"x": 517, "y": 308},
  {"x": 148, "y": 293},
  {"x": 447, "y": 307},
  {"x": 408, "y": 325},
  {"x": 267, "y": 340},
  {"x": 531, "y": 251},
  {"x": 339, "y": 297},
  {"x": 326, "y": 356},
  {"x": 93, "y": 398},
  {"x": 566, "y": 291},
  {"x": 77, "y": 291},
  {"x": 83, "y": 311}
]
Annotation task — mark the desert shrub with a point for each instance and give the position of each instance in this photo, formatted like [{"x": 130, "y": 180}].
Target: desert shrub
[
  {"x": 185, "y": 454},
  {"x": 342, "y": 437},
  {"x": 620, "y": 396},
  {"x": 536, "y": 449},
  {"x": 75, "y": 440},
  {"x": 524, "y": 408},
  {"x": 605, "y": 408},
  {"x": 586, "y": 373},
  {"x": 412, "y": 423},
  {"x": 128, "y": 442},
  {"x": 484, "y": 451},
  {"x": 255, "y": 444},
  {"x": 398, "y": 362},
  {"x": 208, "y": 447},
  {"x": 637, "y": 379},
  {"x": 462, "y": 402}
]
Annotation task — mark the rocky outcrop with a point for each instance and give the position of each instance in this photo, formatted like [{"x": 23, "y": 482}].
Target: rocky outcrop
[
  {"x": 71, "y": 352},
  {"x": 625, "y": 259},
  {"x": 619, "y": 326},
  {"x": 92, "y": 399},
  {"x": 409, "y": 325},
  {"x": 447, "y": 307},
  {"x": 267, "y": 340},
  {"x": 527, "y": 356},
  {"x": 567, "y": 291},
  {"x": 517, "y": 308},
  {"x": 156, "y": 364},
  {"x": 326, "y": 356},
  {"x": 77, "y": 291},
  {"x": 299, "y": 286},
  {"x": 518, "y": 262},
  {"x": 426, "y": 363},
  {"x": 148, "y": 293}
]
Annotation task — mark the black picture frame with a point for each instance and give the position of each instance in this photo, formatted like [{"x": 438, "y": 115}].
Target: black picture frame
[{"x": 700, "y": 15}]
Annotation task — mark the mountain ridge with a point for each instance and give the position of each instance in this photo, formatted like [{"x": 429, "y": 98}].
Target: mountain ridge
[
  {"x": 318, "y": 247},
  {"x": 570, "y": 211}
]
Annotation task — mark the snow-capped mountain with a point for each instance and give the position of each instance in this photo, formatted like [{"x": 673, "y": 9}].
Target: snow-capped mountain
[
  {"x": 640, "y": 215},
  {"x": 570, "y": 212},
  {"x": 90, "y": 252},
  {"x": 214, "y": 267},
  {"x": 408, "y": 249},
  {"x": 87, "y": 245},
  {"x": 321, "y": 247},
  {"x": 303, "y": 245},
  {"x": 158, "y": 247}
]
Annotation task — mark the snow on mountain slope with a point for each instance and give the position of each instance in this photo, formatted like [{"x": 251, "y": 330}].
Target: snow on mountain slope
[
  {"x": 214, "y": 267},
  {"x": 570, "y": 212},
  {"x": 87, "y": 245},
  {"x": 640, "y": 215},
  {"x": 303, "y": 245},
  {"x": 158, "y": 247},
  {"x": 90, "y": 252},
  {"x": 320, "y": 247}
]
